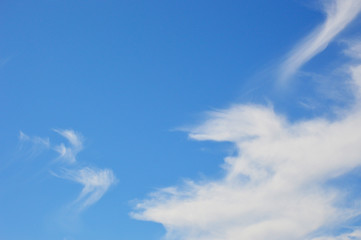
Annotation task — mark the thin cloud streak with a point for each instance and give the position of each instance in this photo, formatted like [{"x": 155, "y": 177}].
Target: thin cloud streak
[
  {"x": 339, "y": 14},
  {"x": 38, "y": 144},
  {"x": 35, "y": 140}
]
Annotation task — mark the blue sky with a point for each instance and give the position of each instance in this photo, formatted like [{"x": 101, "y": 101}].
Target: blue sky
[{"x": 186, "y": 120}]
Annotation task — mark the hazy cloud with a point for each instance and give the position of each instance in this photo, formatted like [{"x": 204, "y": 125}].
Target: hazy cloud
[
  {"x": 35, "y": 140},
  {"x": 35, "y": 145},
  {"x": 354, "y": 48}
]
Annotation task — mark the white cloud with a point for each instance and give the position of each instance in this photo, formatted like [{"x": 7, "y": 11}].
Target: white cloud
[
  {"x": 95, "y": 184},
  {"x": 95, "y": 181},
  {"x": 68, "y": 154},
  {"x": 74, "y": 138},
  {"x": 339, "y": 14},
  {"x": 354, "y": 49},
  {"x": 275, "y": 187}
]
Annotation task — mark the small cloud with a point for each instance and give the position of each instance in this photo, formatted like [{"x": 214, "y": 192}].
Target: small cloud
[
  {"x": 76, "y": 139},
  {"x": 37, "y": 142},
  {"x": 66, "y": 153},
  {"x": 76, "y": 145},
  {"x": 354, "y": 49},
  {"x": 307, "y": 104},
  {"x": 23, "y": 136},
  {"x": 95, "y": 183}
]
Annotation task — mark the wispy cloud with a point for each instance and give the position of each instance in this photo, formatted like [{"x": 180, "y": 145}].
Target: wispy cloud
[
  {"x": 354, "y": 48},
  {"x": 38, "y": 144},
  {"x": 95, "y": 181},
  {"x": 76, "y": 145},
  {"x": 36, "y": 140},
  {"x": 95, "y": 184},
  {"x": 339, "y": 14},
  {"x": 277, "y": 186}
]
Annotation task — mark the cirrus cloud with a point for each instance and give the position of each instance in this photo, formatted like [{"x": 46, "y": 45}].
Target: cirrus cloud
[{"x": 95, "y": 181}]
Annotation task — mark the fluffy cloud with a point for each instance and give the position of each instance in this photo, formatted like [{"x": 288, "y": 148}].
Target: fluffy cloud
[
  {"x": 273, "y": 188},
  {"x": 276, "y": 186}
]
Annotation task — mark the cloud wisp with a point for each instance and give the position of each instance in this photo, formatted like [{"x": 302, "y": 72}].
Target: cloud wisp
[
  {"x": 68, "y": 154},
  {"x": 277, "y": 185},
  {"x": 339, "y": 14},
  {"x": 36, "y": 141},
  {"x": 95, "y": 181}
]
